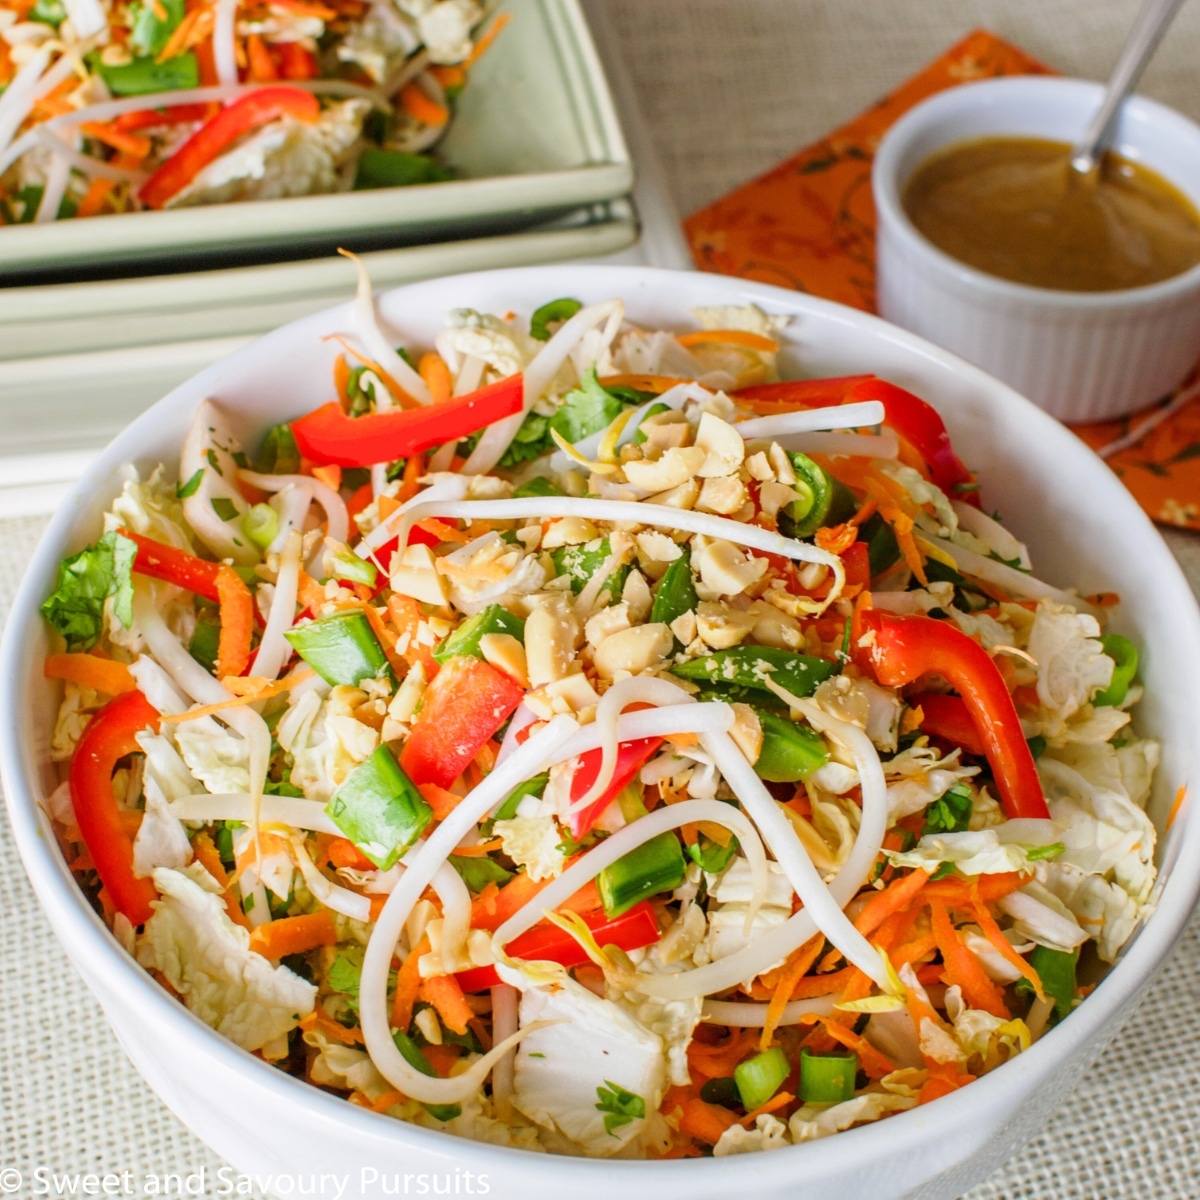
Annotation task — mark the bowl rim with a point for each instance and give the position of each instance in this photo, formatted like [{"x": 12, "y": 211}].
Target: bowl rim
[
  {"x": 886, "y": 188},
  {"x": 64, "y": 902}
]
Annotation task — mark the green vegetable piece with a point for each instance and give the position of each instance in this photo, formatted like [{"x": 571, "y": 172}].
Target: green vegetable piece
[
  {"x": 1056, "y": 970},
  {"x": 619, "y": 1106},
  {"x": 466, "y": 638},
  {"x": 554, "y": 310},
  {"x": 149, "y": 33},
  {"x": 676, "y": 593},
  {"x": 883, "y": 551},
  {"x": 751, "y": 666},
  {"x": 531, "y": 787},
  {"x": 827, "y": 1078},
  {"x": 586, "y": 410},
  {"x": 145, "y": 75},
  {"x": 380, "y": 168},
  {"x": 278, "y": 454},
  {"x": 184, "y": 490},
  {"x": 478, "y": 871},
  {"x": 347, "y": 565},
  {"x": 379, "y": 809},
  {"x": 539, "y": 485},
  {"x": 85, "y": 581},
  {"x": 224, "y": 842},
  {"x": 790, "y": 751},
  {"x": 582, "y": 562},
  {"x": 531, "y": 441},
  {"x": 21, "y": 207},
  {"x": 711, "y": 856},
  {"x": 655, "y": 866},
  {"x": 345, "y": 975},
  {"x": 415, "y": 1059},
  {"x": 225, "y": 508},
  {"x": 206, "y": 636},
  {"x": 638, "y": 436},
  {"x": 820, "y": 500},
  {"x": 760, "y": 1077},
  {"x": 950, "y": 812},
  {"x": 1125, "y": 664},
  {"x": 1051, "y": 850},
  {"x": 1037, "y": 746},
  {"x": 261, "y": 525},
  {"x": 49, "y": 12},
  {"x": 342, "y": 648}
]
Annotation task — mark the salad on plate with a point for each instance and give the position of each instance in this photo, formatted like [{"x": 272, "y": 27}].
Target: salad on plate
[
  {"x": 157, "y": 104},
  {"x": 573, "y": 736}
]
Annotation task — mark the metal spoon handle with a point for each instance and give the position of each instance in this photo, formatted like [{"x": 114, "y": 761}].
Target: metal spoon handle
[{"x": 1147, "y": 31}]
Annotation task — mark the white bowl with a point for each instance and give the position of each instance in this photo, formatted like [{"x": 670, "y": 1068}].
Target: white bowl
[
  {"x": 1082, "y": 356},
  {"x": 1083, "y": 528}
]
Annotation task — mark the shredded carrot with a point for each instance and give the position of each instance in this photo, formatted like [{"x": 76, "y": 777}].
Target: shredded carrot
[
  {"x": 897, "y": 895},
  {"x": 307, "y": 8},
  {"x": 440, "y": 799},
  {"x": 135, "y": 144},
  {"x": 387, "y": 1100},
  {"x": 95, "y": 197},
  {"x": 442, "y": 1058},
  {"x": 207, "y": 856},
  {"x": 957, "y": 893},
  {"x": 487, "y": 38},
  {"x": 341, "y": 380},
  {"x": 181, "y": 35},
  {"x": 387, "y": 640},
  {"x": 1177, "y": 807},
  {"x": 875, "y": 1064},
  {"x": 448, "y": 75},
  {"x": 398, "y": 393},
  {"x": 294, "y": 935},
  {"x": 264, "y": 691},
  {"x": 1005, "y": 948},
  {"x": 331, "y": 1028},
  {"x": 703, "y": 1121},
  {"x": 89, "y": 670},
  {"x": 943, "y": 1079},
  {"x": 422, "y": 107},
  {"x": 237, "y": 621},
  {"x": 643, "y": 383},
  {"x": 914, "y": 951},
  {"x": 342, "y": 852},
  {"x": 408, "y": 984},
  {"x": 440, "y": 529},
  {"x": 963, "y": 967},
  {"x": 730, "y": 337},
  {"x": 447, "y": 997},
  {"x": 776, "y": 1102},
  {"x": 262, "y": 65},
  {"x": 719, "y": 1060},
  {"x": 478, "y": 851},
  {"x": 801, "y": 963},
  {"x": 414, "y": 468},
  {"x": 433, "y": 370},
  {"x": 330, "y": 476}
]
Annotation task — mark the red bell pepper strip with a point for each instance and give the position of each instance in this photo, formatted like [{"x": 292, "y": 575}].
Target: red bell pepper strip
[
  {"x": 216, "y": 136},
  {"x": 329, "y": 435},
  {"x": 160, "y": 561},
  {"x": 547, "y": 943},
  {"x": 109, "y": 736},
  {"x": 631, "y": 757},
  {"x": 900, "y": 650},
  {"x": 949, "y": 718},
  {"x": 464, "y": 705},
  {"x": 803, "y": 393}
]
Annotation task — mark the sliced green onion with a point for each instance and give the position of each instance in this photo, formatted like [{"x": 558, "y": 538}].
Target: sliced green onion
[
  {"x": 354, "y": 569},
  {"x": 1125, "y": 664},
  {"x": 261, "y": 525},
  {"x": 415, "y": 1059},
  {"x": 655, "y": 866},
  {"x": 827, "y": 1078},
  {"x": 760, "y": 1077}
]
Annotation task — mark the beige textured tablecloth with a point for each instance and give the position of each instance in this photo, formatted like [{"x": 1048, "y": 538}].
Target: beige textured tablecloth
[{"x": 729, "y": 89}]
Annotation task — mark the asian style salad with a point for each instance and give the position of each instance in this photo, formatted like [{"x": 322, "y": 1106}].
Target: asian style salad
[
  {"x": 574, "y": 737},
  {"x": 153, "y": 104}
]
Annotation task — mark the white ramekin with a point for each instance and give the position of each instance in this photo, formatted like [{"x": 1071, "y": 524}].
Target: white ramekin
[{"x": 1082, "y": 356}]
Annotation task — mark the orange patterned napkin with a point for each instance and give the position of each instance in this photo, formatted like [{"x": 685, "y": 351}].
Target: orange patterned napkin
[{"x": 809, "y": 224}]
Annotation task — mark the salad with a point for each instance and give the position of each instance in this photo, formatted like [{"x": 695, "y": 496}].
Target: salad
[
  {"x": 154, "y": 104},
  {"x": 573, "y": 736}
]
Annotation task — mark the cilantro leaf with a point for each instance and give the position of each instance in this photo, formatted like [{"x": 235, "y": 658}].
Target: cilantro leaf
[
  {"x": 85, "y": 581},
  {"x": 531, "y": 441},
  {"x": 950, "y": 812},
  {"x": 620, "y": 1106},
  {"x": 944, "y": 869},
  {"x": 346, "y": 973},
  {"x": 586, "y": 410}
]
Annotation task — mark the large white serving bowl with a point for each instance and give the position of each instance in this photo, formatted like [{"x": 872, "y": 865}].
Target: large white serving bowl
[{"x": 1083, "y": 529}]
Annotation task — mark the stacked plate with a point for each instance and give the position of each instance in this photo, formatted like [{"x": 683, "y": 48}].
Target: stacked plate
[{"x": 542, "y": 174}]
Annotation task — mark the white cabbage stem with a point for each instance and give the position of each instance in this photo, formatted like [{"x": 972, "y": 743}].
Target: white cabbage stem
[
  {"x": 976, "y": 522},
  {"x": 337, "y": 521},
  {"x": 793, "y": 858},
  {"x": 274, "y": 650},
  {"x": 847, "y": 416},
  {"x": 630, "y": 838},
  {"x": 661, "y": 516},
  {"x": 635, "y": 690},
  {"x": 291, "y": 811},
  {"x": 538, "y": 376},
  {"x": 526, "y": 762}
]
